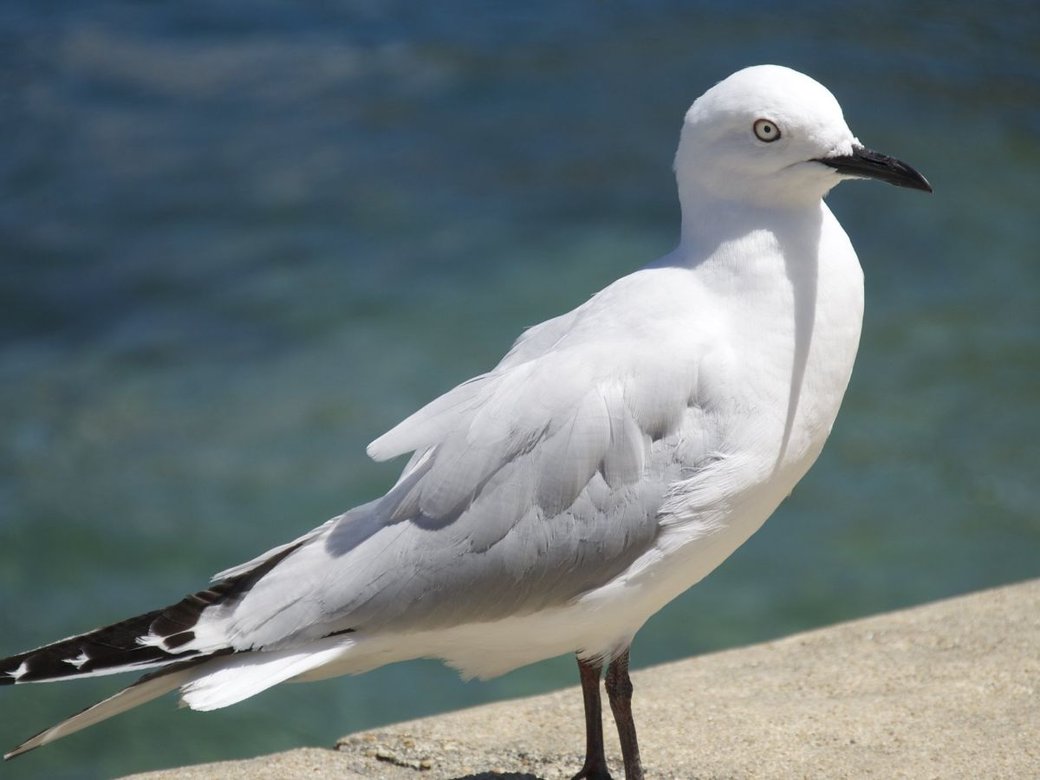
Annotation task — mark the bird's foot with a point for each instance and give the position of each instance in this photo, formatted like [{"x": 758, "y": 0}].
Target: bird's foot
[{"x": 594, "y": 772}]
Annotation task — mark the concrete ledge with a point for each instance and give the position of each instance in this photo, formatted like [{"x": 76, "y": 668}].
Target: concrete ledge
[{"x": 945, "y": 690}]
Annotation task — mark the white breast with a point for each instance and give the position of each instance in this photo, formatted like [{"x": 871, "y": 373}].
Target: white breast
[{"x": 778, "y": 380}]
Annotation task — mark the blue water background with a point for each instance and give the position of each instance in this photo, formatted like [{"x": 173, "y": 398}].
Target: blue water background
[{"x": 242, "y": 239}]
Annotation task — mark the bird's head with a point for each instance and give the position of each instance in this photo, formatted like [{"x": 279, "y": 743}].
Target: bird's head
[{"x": 772, "y": 136}]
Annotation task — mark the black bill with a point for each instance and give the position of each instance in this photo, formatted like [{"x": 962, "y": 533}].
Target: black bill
[{"x": 868, "y": 164}]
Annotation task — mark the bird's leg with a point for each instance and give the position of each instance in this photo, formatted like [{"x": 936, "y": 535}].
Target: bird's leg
[
  {"x": 619, "y": 691},
  {"x": 595, "y": 766}
]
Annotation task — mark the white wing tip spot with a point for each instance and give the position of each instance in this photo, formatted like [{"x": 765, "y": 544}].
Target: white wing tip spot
[
  {"x": 20, "y": 672},
  {"x": 79, "y": 660},
  {"x": 151, "y": 640}
]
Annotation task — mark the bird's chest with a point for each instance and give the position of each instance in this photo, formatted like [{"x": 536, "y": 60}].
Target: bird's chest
[{"x": 782, "y": 374}]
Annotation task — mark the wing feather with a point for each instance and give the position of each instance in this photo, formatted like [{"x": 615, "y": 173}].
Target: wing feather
[{"x": 528, "y": 485}]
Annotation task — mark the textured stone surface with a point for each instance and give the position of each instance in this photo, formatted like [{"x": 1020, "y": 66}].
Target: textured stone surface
[{"x": 946, "y": 690}]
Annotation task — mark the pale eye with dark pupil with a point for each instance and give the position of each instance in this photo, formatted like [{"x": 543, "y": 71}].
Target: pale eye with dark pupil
[{"x": 766, "y": 130}]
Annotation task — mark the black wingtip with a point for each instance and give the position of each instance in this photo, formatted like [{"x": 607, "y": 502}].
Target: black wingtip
[
  {"x": 115, "y": 645},
  {"x": 122, "y": 647}
]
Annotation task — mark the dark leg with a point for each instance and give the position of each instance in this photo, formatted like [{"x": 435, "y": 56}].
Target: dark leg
[
  {"x": 619, "y": 691},
  {"x": 595, "y": 767}
]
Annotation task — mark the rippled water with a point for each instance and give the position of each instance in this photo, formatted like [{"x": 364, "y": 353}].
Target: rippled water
[{"x": 240, "y": 240}]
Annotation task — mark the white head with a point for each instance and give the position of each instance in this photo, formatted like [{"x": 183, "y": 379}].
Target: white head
[{"x": 773, "y": 137}]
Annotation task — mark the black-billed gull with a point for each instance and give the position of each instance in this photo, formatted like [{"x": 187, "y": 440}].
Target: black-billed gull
[{"x": 614, "y": 457}]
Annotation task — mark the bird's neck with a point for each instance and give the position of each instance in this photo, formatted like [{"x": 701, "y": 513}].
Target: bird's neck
[{"x": 709, "y": 224}]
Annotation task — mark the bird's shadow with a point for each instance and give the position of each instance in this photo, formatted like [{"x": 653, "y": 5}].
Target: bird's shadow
[{"x": 499, "y": 776}]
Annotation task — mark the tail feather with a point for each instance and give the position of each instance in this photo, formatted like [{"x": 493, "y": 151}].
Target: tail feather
[
  {"x": 161, "y": 638},
  {"x": 207, "y": 682},
  {"x": 147, "y": 688},
  {"x": 232, "y": 679}
]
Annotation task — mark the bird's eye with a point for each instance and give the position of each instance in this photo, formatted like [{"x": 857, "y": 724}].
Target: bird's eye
[{"x": 766, "y": 130}]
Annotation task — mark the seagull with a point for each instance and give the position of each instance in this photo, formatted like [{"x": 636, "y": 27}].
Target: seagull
[{"x": 615, "y": 456}]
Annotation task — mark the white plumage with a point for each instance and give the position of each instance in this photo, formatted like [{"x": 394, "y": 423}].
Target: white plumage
[{"x": 614, "y": 457}]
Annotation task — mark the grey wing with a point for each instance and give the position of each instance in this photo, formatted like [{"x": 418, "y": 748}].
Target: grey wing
[{"x": 529, "y": 486}]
